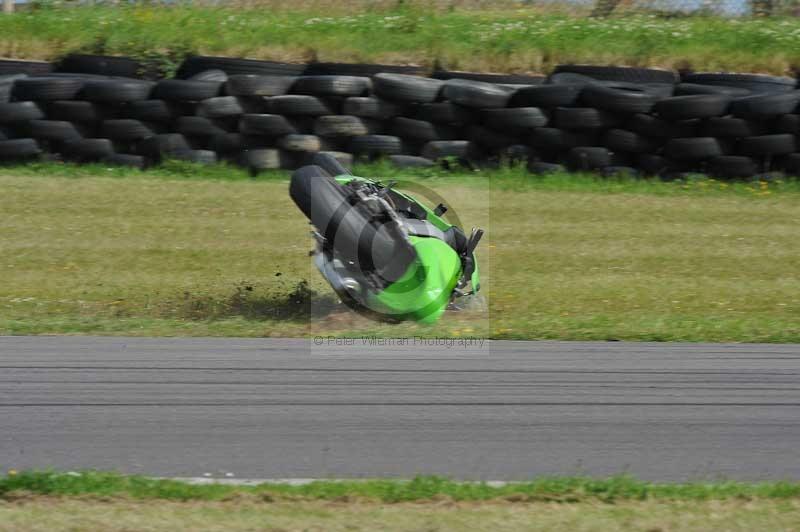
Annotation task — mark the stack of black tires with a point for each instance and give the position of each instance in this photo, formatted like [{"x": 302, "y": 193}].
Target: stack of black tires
[{"x": 610, "y": 120}]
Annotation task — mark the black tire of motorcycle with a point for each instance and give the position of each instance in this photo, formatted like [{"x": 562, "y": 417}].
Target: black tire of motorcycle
[
  {"x": 329, "y": 163},
  {"x": 357, "y": 239}
]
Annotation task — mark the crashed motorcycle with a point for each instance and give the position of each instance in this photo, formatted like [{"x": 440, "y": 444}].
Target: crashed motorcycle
[{"x": 386, "y": 255}]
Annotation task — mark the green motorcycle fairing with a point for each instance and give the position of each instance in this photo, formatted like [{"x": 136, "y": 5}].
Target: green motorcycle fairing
[{"x": 424, "y": 292}]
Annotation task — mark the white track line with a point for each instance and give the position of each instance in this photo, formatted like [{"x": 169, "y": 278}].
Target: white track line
[{"x": 205, "y": 481}]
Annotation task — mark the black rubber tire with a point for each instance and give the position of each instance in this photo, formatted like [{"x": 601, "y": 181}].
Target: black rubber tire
[
  {"x": 783, "y": 124},
  {"x": 262, "y": 159},
  {"x": 518, "y": 154},
  {"x": 7, "y": 85},
  {"x": 791, "y": 164},
  {"x": 615, "y": 73},
  {"x": 268, "y": 125},
  {"x": 547, "y": 96},
  {"x": 762, "y": 106},
  {"x": 342, "y": 126},
  {"x": 441, "y": 149},
  {"x": 490, "y": 138},
  {"x": 516, "y": 119},
  {"x": 404, "y": 88},
  {"x": 56, "y": 130},
  {"x": 198, "y": 126},
  {"x": 567, "y": 78},
  {"x": 693, "y": 106},
  {"x": 624, "y": 100},
  {"x": 232, "y": 66},
  {"x": 77, "y": 75},
  {"x": 254, "y": 85},
  {"x": 410, "y": 161},
  {"x": 617, "y": 172},
  {"x": 332, "y": 85},
  {"x": 376, "y": 146},
  {"x": 126, "y": 159},
  {"x": 79, "y": 111},
  {"x": 299, "y": 105},
  {"x": 513, "y": 79},
  {"x": 659, "y": 90},
  {"x": 585, "y": 158},
  {"x": 651, "y": 164},
  {"x": 446, "y": 113},
  {"x": 585, "y": 118},
  {"x": 347, "y": 227},
  {"x": 730, "y": 127},
  {"x": 751, "y": 82},
  {"x": 87, "y": 150},
  {"x": 543, "y": 168},
  {"x": 19, "y": 149},
  {"x": 15, "y": 112},
  {"x": 29, "y": 68},
  {"x": 629, "y": 142},
  {"x": 367, "y": 70},
  {"x": 557, "y": 140},
  {"x": 157, "y": 146},
  {"x": 476, "y": 94},
  {"x": 47, "y": 89},
  {"x": 696, "y": 148},
  {"x": 307, "y": 143},
  {"x": 221, "y": 107},
  {"x": 185, "y": 90},
  {"x": 662, "y": 90},
  {"x": 420, "y": 129},
  {"x": 125, "y": 130},
  {"x": 332, "y": 164},
  {"x": 653, "y": 126},
  {"x": 686, "y": 89},
  {"x": 780, "y": 144},
  {"x": 732, "y": 167},
  {"x": 194, "y": 156},
  {"x": 213, "y": 74},
  {"x": 371, "y": 107},
  {"x": 116, "y": 91},
  {"x": 103, "y": 65},
  {"x": 231, "y": 143},
  {"x": 153, "y": 110}
]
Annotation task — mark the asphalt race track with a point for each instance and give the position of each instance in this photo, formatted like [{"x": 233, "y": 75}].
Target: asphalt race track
[{"x": 266, "y": 408}]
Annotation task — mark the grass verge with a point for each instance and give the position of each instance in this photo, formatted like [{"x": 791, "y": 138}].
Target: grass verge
[
  {"x": 41, "y": 501},
  {"x": 510, "y": 38},
  {"x": 556, "y": 489},
  {"x": 186, "y": 251},
  {"x": 48, "y": 515}
]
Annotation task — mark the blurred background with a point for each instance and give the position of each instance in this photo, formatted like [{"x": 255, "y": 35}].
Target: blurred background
[{"x": 593, "y": 8}]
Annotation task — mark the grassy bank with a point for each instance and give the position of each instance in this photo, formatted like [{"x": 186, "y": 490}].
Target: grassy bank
[
  {"x": 96, "y": 501},
  {"x": 555, "y": 489},
  {"x": 46, "y": 515},
  {"x": 565, "y": 257},
  {"x": 509, "y": 38}
]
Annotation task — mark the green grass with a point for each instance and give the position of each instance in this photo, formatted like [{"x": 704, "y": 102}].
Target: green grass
[
  {"x": 556, "y": 489},
  {"x": 49, "y": 501},
  {"x": 245, "y": 513},
  {"x": 508, "y": 39},
  {"x": 187, "y": 251},
  {"x": 506, "y": 178}
]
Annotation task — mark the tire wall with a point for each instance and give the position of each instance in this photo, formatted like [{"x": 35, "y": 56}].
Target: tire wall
[{"x": 266, "y": 115}]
